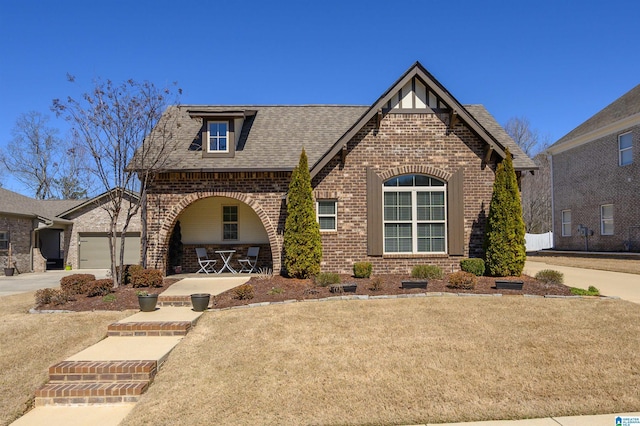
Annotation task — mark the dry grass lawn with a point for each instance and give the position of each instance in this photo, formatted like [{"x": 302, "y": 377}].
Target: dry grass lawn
[
  {"x": 30, "y": 343},
  {"x": 403, "y": 361},
  {"x": 627, "y": 265}
]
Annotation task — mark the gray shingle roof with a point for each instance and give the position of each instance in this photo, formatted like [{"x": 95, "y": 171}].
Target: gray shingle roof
[
  {"x": 521, "y": 161},
  {"x": 623, "y": 107},
  {"x": 14, "y": 203},
  {"x": 274, "y": 140}
]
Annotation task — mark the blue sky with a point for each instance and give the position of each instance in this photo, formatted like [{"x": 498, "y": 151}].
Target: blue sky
[{"x": 555, "y": 62}]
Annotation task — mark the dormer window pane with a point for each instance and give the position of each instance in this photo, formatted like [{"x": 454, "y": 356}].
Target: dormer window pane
[{"x": 218, "y": 136}]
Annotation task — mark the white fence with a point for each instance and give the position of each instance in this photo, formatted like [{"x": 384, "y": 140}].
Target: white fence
[{"x": 535, "y": 242}]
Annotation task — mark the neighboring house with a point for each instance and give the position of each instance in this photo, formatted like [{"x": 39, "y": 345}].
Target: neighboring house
[
  {"x": 49, "y": 234},
  {"x": 596, "y": 180},
  {"x": 405, "y": 181}
]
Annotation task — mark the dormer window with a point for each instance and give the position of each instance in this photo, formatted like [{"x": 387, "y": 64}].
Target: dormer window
[{"x": 218, "y": 136}]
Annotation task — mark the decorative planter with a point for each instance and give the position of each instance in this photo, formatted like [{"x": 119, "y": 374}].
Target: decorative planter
[
  {"x": 343, "y": 288},
  {"x": 148, "y": 302},
  {"x": 200, "y": 301},
  {"x": 8, "y": 272},
  {"x": 508, "y": 285},
  {"x": 414, "y": 284}
]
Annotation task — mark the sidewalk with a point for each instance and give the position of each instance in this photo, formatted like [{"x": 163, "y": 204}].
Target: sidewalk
[{"x": 624, "y": 286}]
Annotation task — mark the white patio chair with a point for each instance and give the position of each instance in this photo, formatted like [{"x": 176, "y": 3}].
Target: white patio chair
[
  {"x": 250, "y": 262},
  {"x": 206, "y": 264}
]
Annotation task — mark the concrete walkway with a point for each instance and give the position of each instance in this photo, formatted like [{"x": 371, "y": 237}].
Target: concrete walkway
[
  {"x": 129, "y": 348},
  {"x": 624, "y": 286}
]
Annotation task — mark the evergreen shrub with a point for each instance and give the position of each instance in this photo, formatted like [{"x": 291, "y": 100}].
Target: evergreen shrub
[{"x": 474, "y": 266}]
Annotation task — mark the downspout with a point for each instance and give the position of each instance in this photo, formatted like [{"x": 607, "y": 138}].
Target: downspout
[{"x": 553, "y": 222}]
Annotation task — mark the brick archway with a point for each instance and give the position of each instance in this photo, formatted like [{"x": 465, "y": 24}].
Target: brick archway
[
  {"x": 157, "y": 253},
  {"x": 415, "y": 169}
]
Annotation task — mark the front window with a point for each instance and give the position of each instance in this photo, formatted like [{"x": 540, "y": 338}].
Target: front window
[
  {"x": 4, "y": 240},
  {"x": 229, "y": 222},
  {"x": 566, "y": 223},
  {"x": 218, "y": 136},
  {"x": 625, "y": 149},
  {"x": 327, "y": 215},
  {"x": 414, "y": 215},
  {"x": 606, "y": 219}
]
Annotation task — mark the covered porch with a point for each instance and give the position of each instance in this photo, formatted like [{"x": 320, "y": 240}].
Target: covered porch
[{"x": 226, "y": 228}]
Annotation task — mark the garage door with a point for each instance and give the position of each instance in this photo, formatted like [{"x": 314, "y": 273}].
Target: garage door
[{"x": 94, "y": 250}]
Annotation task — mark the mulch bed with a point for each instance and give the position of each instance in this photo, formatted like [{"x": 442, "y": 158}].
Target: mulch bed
[{"x": 278, "y": 289}]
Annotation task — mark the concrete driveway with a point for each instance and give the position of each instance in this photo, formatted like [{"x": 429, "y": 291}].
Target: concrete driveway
[
  {"x": 33, "y": 281},
  {"x": 625, "y": 286}
]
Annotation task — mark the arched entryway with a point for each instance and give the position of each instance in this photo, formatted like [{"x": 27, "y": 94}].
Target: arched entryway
[{"x": 216, "y": 220}]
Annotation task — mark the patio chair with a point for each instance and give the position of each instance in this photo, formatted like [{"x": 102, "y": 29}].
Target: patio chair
[
  {"x": 250, "y": 262},
  {"x": 206, "y": 264}
]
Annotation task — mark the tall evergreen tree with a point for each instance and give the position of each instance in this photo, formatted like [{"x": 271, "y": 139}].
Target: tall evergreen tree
[
  {"x": 302, "y": 243},
  {"x": 504, "y": 245}
]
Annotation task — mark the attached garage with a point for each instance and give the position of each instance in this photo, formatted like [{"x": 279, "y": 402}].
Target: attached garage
[{"x": 93, "y": 250}]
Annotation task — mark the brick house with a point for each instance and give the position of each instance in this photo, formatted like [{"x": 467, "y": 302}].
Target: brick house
[
  {"x": 404, "y": 181},
  {"x": 596, "y": 180},
  {"x": 49, "y": 234}
]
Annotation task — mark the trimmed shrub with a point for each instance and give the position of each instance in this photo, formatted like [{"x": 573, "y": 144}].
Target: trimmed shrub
[
  {"x": 474, "y": 266},
  {"x": 549, "y": 276},
  {"x": 324, "y": 279},
  {"x": 244, "y": 292},
  {"x": 128, "y": 269},
  {"x": 462, "y": 280},
  {"x": 76, "y": 283},
  {"x": 302, "y": 241},
  {"x": 146, "y": 277},
  {"x": 99, "y": 287},
  {"x": 504, "y": 236},
  {"x": 43, "y": 296},
  {"x": 362, "y": 269},
  {"x": 427, "y": 272},
  {"x": 60, "y": 297}
]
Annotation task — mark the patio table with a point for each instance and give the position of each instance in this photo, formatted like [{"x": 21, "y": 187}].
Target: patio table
[{"x": 226, "y": 255}]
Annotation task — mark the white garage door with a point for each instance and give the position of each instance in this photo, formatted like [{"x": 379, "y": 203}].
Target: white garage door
[{"x": 94, "y": 250}]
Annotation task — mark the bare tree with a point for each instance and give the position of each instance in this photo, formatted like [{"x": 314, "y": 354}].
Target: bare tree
[
  {"x": 536, "y": 197},
  {"x": 115, "y": 123},
  {"x": 521, "y": 132},
  {"x": 32, "y": 156}
]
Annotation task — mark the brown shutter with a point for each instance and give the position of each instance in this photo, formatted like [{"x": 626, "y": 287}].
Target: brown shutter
[
  {"x": 455, "y": 213},
  {"x": 374, "y": 213}
]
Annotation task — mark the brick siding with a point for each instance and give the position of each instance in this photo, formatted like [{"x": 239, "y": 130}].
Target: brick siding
[
  {"x": 588, "y": 176},
  {"x": 20, "y": 237},
  {"x": 404, "y": 143}
]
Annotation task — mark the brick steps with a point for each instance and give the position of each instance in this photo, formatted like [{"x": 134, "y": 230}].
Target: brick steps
[
  {"x": 170, "y": 328},
  {"x": 90, "y": 393},
  {"x": 102, "y": 371},
  {"x": 108, "y": 382},
  {"x": 174, "y": 300}
]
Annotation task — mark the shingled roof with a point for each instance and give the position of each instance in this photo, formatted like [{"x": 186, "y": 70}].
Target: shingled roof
[
  {"x": 270, "y": 140},
  {"x": 521, "y": 161},
  {"x": 273, "y": 135},
  {"x": 18, "y": 204},
  {"x": 626, "y": 106}
]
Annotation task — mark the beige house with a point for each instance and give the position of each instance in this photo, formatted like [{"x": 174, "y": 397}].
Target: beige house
[
  {"x": 596, "y": 180},
  {"x": 51, "y": 234},
  {"x": 406, "y": 180}
]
